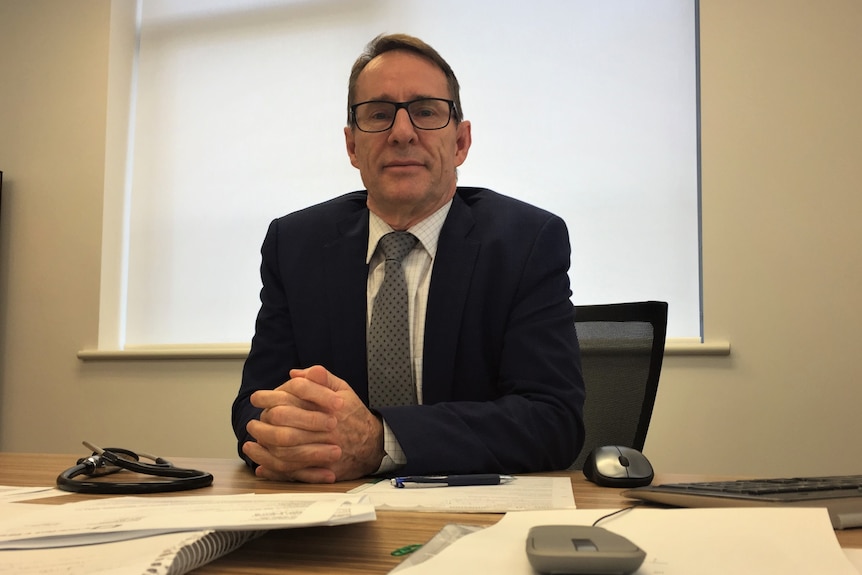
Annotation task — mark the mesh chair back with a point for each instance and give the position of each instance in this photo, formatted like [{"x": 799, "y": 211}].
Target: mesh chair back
[{"x": 622, "y": 347}]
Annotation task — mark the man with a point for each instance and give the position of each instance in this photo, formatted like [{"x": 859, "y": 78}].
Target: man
[{"x": 495, "y": 363}]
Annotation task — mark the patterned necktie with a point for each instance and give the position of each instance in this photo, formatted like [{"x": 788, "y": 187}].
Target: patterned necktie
[{"x": 390, "y": 375}]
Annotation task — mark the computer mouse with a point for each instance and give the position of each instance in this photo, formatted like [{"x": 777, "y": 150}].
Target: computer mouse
[
  {"x": 618, "y": 466},
  {"x": 580, "y": 549}
]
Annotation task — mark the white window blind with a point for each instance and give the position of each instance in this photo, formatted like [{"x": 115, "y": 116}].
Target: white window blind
[{"x": 585, "y": 108}]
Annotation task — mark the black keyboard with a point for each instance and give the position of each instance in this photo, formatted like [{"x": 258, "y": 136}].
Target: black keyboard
[
  {"x": 780, "y": 489},
  {"x": 841, "y": 494}
]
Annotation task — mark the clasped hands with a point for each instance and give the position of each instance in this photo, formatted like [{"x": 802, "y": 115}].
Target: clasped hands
[{"x": 315, "y": 429}]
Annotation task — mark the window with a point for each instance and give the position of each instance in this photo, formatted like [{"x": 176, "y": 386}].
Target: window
[{"x": 237, "y": 111}]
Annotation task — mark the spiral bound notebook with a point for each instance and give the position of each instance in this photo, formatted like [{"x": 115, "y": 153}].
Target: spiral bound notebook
[
  {"x": 162, "y": 554},
  {"x": 199, "y": 549}
]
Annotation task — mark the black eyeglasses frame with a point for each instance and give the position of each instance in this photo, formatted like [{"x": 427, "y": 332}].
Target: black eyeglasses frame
[{"x": 399, "y": 106}]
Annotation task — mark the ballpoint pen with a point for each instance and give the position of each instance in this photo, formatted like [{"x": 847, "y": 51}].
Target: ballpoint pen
[{"x": 450, "y": 480}]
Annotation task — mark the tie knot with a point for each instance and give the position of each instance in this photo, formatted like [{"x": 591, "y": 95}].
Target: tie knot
[{"x": 396, "y": 245}]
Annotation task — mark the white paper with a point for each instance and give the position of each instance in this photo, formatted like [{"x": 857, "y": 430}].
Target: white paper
[
  {"x": 855, "y": 557},
  {"x": 156, "y": 555},
  {"x": 9, "y": 494},
  {"x": 17, "y": 510},
  {"x": 525, "y": 493},
  {"x": 754, "y": 541},
  {"x": 113, "y": 519}
]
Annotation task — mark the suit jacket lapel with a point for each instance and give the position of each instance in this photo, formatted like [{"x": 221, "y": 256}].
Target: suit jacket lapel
[
  {"x": 346, "y": 279},
  {"x": 450, "y": 281}
]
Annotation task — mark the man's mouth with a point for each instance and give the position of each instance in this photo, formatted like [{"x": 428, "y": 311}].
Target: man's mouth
[{"x": 404, "y": 164}]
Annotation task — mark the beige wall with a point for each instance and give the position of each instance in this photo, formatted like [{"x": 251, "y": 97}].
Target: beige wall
[{"x": 782, "y": 166}]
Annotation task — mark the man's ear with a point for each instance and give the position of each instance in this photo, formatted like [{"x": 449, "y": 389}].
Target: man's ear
[
  {"x": 350, "y": 142},
  {"x": 463, "y": 140}
]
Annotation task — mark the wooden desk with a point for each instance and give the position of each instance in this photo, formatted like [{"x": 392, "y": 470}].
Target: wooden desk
[{"x": 361, "y": 548}]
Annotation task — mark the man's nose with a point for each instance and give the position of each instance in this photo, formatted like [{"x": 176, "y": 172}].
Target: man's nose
[{"x": 402, "y": 129}]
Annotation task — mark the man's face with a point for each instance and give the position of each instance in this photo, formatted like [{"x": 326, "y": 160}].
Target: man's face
[{"x": 409, "y": 173}]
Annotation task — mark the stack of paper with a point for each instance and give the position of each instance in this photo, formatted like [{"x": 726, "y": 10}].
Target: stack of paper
[{"x": 164, "y": 534}]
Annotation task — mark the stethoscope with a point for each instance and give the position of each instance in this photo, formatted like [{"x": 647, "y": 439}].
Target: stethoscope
[{"x": 112, "y": 459}]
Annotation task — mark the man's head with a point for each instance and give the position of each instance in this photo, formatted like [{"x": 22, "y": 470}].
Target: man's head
[{"x": 408, "y": 168}]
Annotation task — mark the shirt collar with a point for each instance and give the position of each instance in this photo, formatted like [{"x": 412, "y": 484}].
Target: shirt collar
[{"x": 427, "y": 231}]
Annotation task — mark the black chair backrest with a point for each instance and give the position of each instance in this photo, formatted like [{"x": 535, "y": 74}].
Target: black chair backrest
[{"x": 622, "y": 348}]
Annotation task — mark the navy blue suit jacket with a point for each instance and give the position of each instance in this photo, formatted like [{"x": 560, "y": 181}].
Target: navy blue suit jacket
[{"x": 502, "y": 384}]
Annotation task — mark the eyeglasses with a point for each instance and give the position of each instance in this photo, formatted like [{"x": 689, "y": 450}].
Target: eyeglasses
[{"x": 424, "y": 113}]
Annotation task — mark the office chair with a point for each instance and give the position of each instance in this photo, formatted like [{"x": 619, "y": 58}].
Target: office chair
[{"x": 622, "y": 347}]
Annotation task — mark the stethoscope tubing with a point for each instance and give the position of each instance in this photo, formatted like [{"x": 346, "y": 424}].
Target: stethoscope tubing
[{"x": 110, "y": 460}]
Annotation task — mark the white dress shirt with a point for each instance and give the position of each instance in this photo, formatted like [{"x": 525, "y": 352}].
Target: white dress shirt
[{"x": 417, "y": 267}]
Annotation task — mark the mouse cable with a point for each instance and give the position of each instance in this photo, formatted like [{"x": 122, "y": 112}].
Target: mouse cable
[{"x": 630, "y": 507}]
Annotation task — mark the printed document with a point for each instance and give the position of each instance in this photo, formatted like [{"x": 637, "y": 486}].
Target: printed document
[
  {"x": 525, "y": 493},
  {"x": 102, "y": 520}
]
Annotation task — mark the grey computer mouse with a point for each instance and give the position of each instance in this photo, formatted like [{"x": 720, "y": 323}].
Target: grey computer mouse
[
  {"x": 579, "y": 549},
  {"x": 618, "y": 466}
]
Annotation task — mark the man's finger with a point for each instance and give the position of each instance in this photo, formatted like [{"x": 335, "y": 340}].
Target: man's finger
[
  {"x": 308, "y": 393},
  {"x": 266, "y": 398},
  {"x": 321, "y": 376},
  {"x": 282, "y": 462},
  {"x": 291, "y": 416},
  {"x": 307, "y": 475}
]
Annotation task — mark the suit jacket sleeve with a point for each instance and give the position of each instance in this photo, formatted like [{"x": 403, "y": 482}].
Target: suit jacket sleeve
[{"x": 312, "y": 311}]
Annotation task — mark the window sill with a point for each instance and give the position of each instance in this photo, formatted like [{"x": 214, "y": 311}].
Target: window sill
[
  {"x": 674, "y": 347},
  {"x": 167, "y": 352},
  {"x": 694, "y": 346}
]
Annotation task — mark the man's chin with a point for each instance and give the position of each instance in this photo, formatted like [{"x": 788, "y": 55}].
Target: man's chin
[
  {"x": 403, "y": 188},
  {"x": 398, "y": 198}
]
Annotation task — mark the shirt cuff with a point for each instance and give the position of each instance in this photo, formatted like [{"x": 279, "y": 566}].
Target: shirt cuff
[{"x": 394, "y": 457}]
